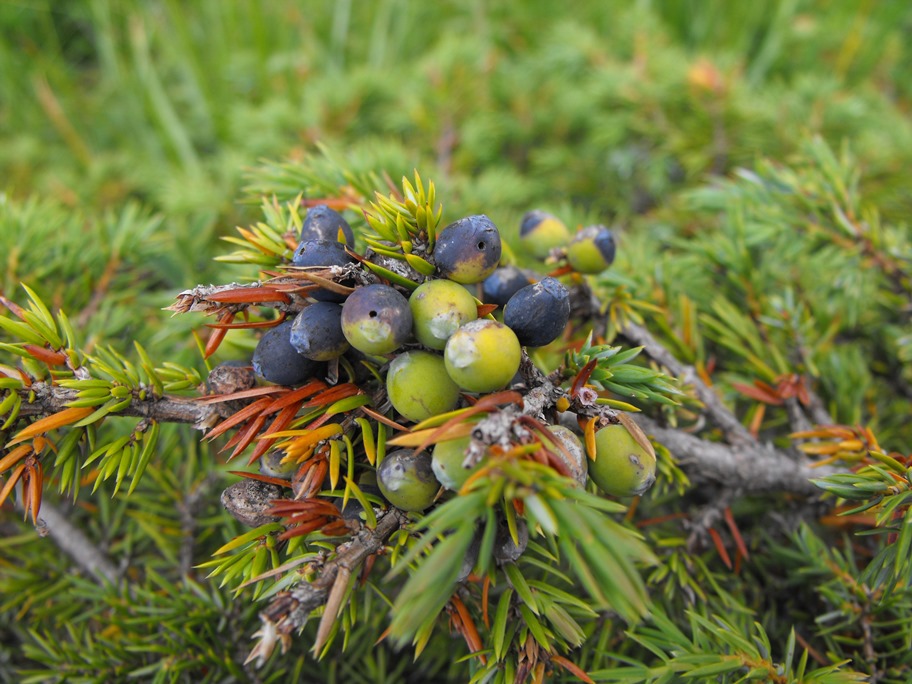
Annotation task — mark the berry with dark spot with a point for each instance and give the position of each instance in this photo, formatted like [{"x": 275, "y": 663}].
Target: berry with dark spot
[
  {"x": 505, "y": 282},
  {"x": 407, "y": 481},
  {"x": 323, "y": 253},
  {"x": 418, "y": 385},
  {"x": 376, "y": 319},
  {"x": 482, "y": 356},
  {"x": 592, "y": 250},
  {"x": 468, "y": 250},
  {"x": 538, "y": 313},
  {"x": 540, "y": 232},
  {"x": 438, "y": 308},
  {"x": 275, "y": 360},
  {"x": 624, "y": 466},
  {"x": 324, "y": 223},
  {"x": 317, "y": 332}
]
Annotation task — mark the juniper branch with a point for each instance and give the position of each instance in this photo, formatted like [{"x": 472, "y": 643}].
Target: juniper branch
[
  {"x": 748, "y": 466},
  {"x": 367, "y": 542},
  {"x": 734, "y": 431},
  {"x": 189, "y": 508},
  {"x": 42, "y": 399},
  {"x": 289, "y": 611},
  {"x": 816, "y": 408},
  {"x": 798, "y": 421},
  {"x": 71, "y": 540},
  {"x": 743, "y": 462},
  {"x": 754, "y": 468}
]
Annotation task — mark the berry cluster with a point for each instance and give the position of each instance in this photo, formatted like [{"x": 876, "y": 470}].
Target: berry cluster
[{"x": 429, "y": 347}]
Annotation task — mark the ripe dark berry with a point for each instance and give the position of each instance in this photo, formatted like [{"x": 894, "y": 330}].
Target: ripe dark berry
[
  {"x": 540, "y": 232},
  {"x": 439, "y": 307},
  {"x": 376, "y": 319},
  {"x": 317, "y": 332},
  {"x": 418, "y": 385},
  {"x": 468, "y": 250},
  {"x": 406, "y": 480},
  {"x": 359, "y": 365},
  {"x": 505, "y": 549},
  {"x": 538, "y": 313},
  {"x": 592, "y": 250},
  {"x": 367, "y": 483},
  {"x": 324, "y": 223},
  {"x": 275, "y": 360},
  {"x": 503, "y": 284},
  {"x": 470, "y": 559},
  {"x": 322, "y": 253},
  {"x": 482, "y": 356}
]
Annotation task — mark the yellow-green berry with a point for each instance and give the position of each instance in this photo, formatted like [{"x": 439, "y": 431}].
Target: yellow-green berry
[
  {"x": 271, "y": 465},
  {"x": 419, "y": 386},
  {"x": 406, "y": 480},
  {"x": 482, "y": 356},
  {"x": 540, "y": 232},
  {"x": 447, "y": 460},
  {"x": 573, "y": 454},
  {"x": 623, "y": 465},
  {"x": 592, "y": 250},
  {"x": 438, "y": 308}
]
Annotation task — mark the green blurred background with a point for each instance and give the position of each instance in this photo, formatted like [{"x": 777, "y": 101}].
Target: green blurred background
[
  {"x": 126, "y": 127},
  {"x": 134, "y": 134},
  {"x": 605, "y": 107}
]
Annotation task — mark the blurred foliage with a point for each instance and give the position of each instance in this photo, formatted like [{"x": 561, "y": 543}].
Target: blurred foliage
[{"x": 753, "y": 158}]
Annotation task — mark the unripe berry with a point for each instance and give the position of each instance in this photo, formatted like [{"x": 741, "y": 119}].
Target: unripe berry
[
  {"x": 540, "y": 232},
  {"x": 438, "y": 308},
  {"x": 468, "y": 250},
  {"x": 482, "y": 356},
  {"x": 575, "y": 456},
  {"x": 406, "y": 480},
  {"x": 419, "y": 387},
  {"x": 447, "y": 459},
  {"x": 623, "y": 466},
  {"x": 272, "y": 466},
  {"x": 592, "y": 250}
]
